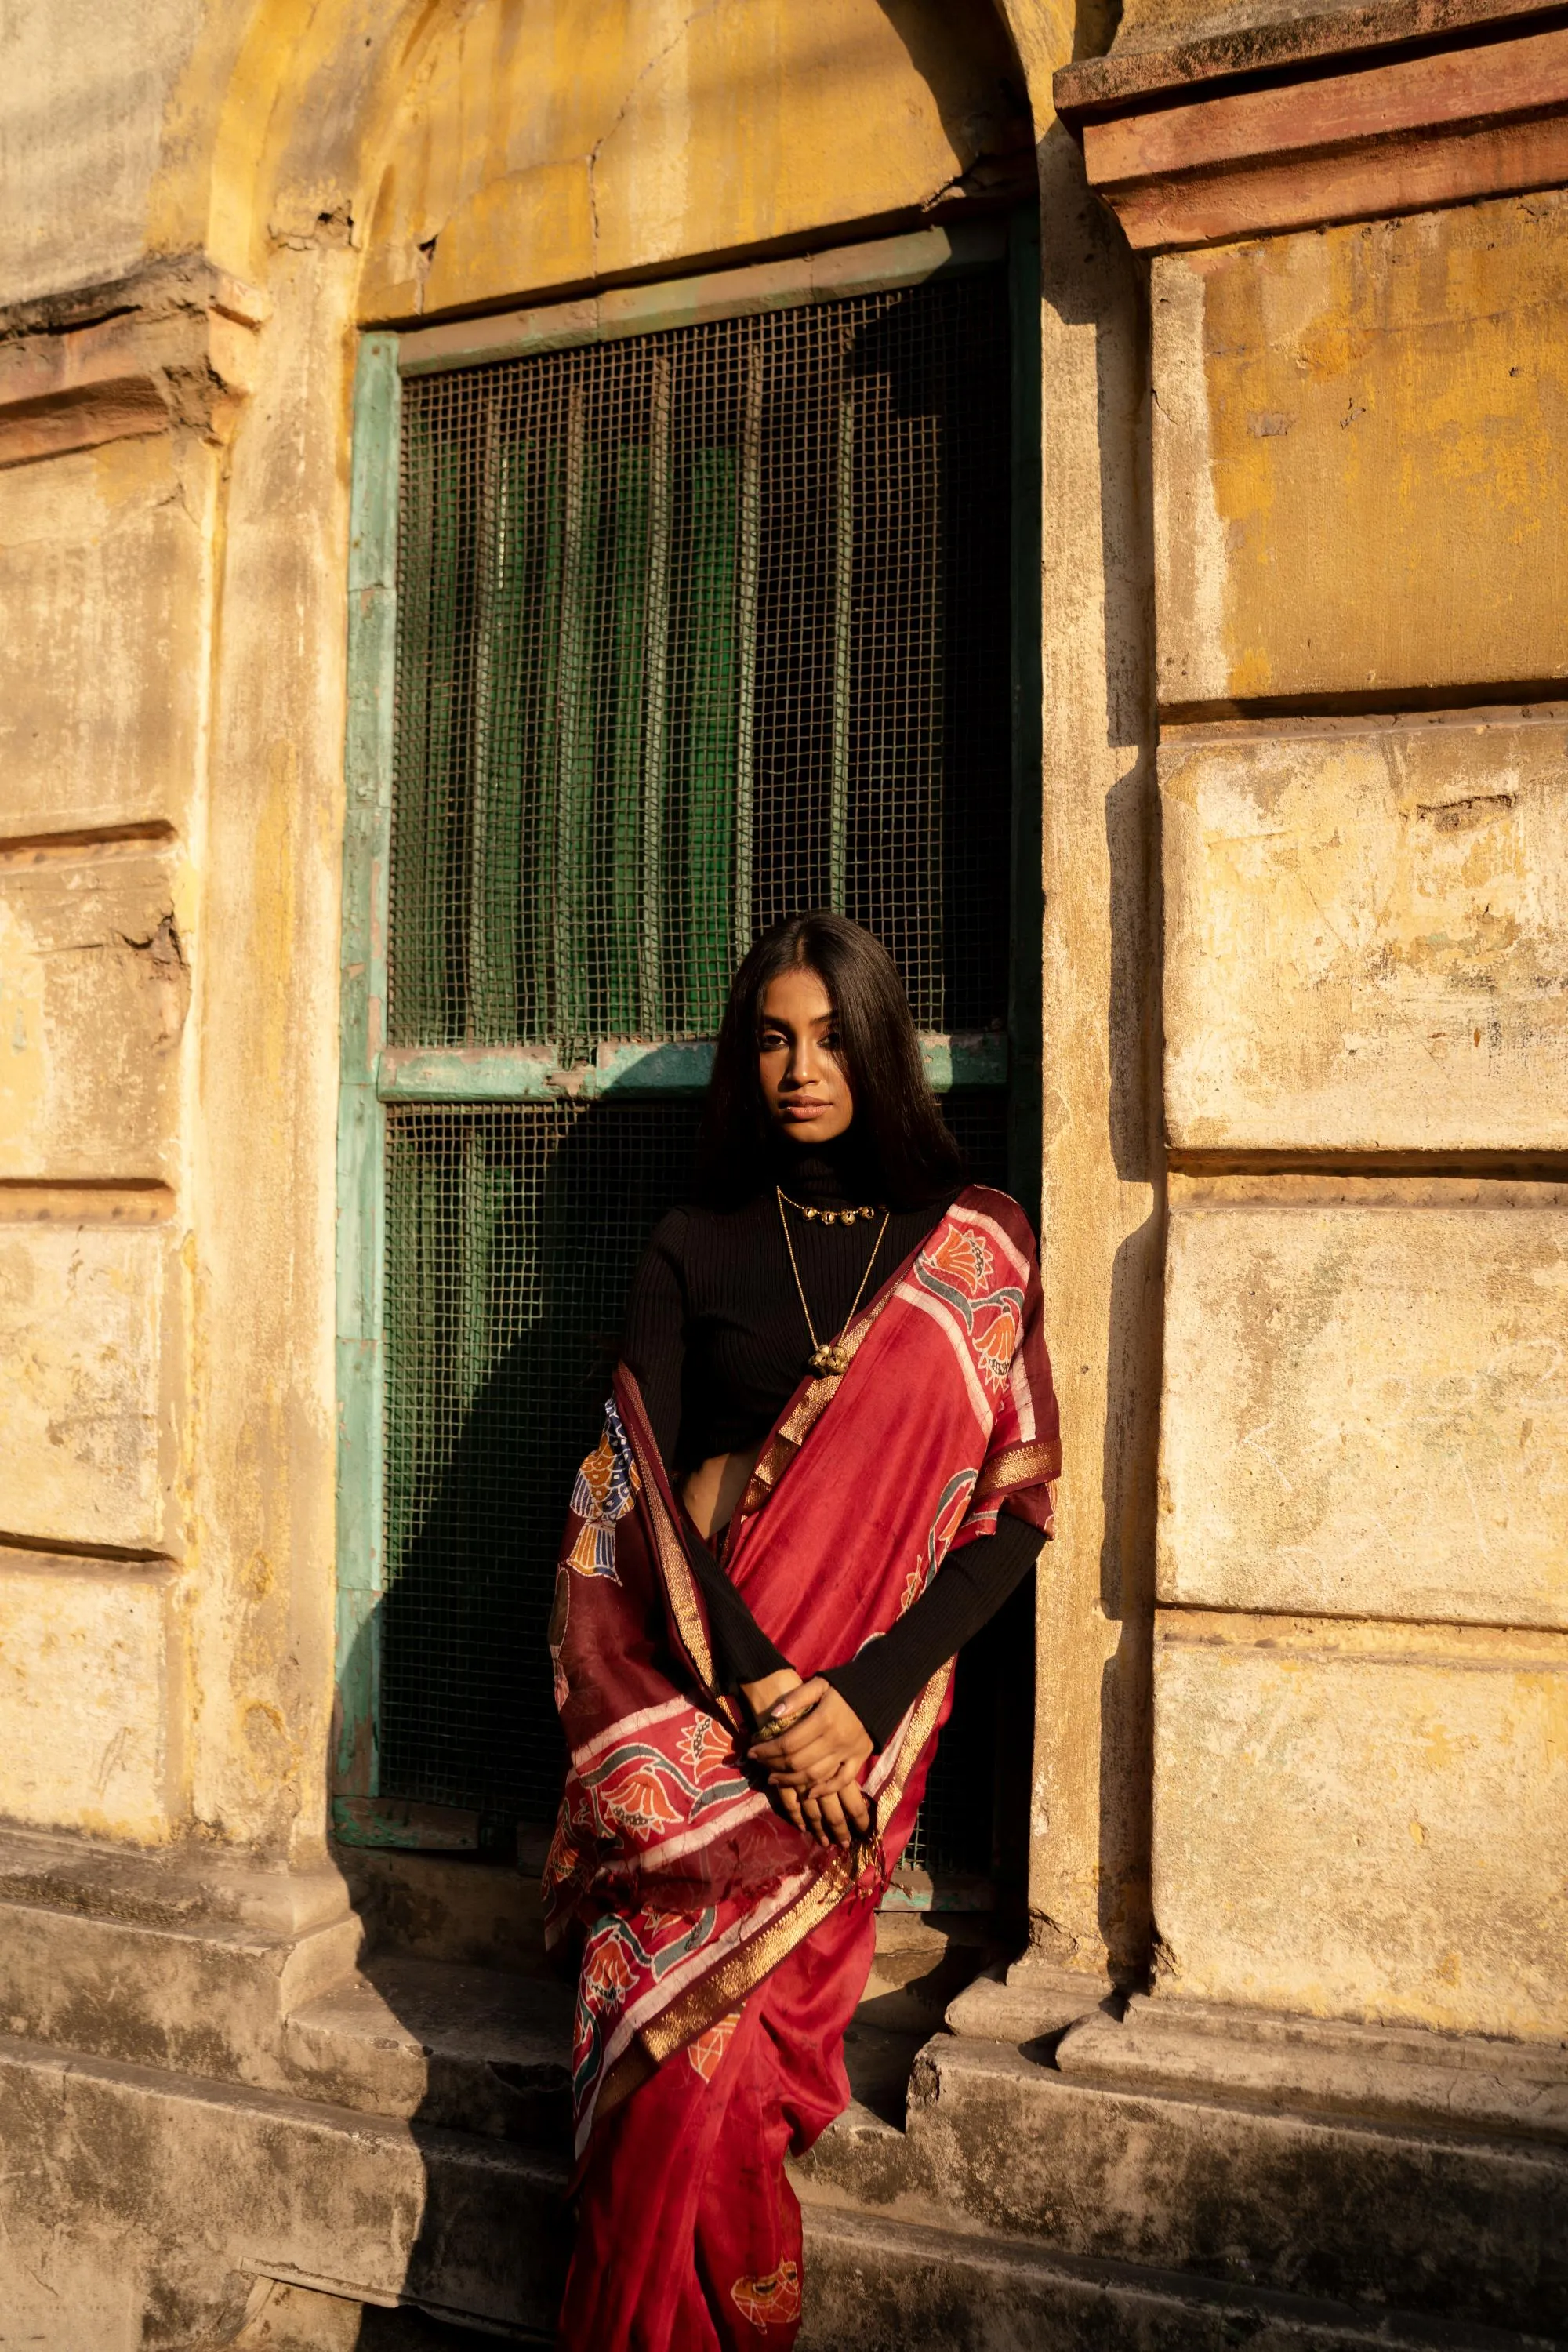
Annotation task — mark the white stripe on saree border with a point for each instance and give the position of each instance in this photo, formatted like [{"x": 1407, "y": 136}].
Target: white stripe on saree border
[
  {"x": 627, "y": 1727},
  {"x": 724, "y": 1818},
  {"x": 947, "y": 1323},
  {"x": 659, "y": 1996}
]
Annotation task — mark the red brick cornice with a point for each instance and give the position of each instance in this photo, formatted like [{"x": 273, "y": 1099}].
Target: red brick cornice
[{"x": 1424, "y": 105}]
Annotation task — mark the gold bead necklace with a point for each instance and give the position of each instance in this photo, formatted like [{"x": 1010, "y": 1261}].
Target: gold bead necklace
[
  {"x": 826, "y": 1216},
  {"x": 830, "y": 1356}
]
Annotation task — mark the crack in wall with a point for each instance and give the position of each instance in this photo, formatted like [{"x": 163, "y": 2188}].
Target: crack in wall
[{"x": 624, "y": 108}]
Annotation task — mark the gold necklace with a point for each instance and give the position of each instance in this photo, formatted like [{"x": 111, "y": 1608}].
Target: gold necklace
[
  {"x": 826, "y": 1216},
  {"x": 829, "y": 1356}
]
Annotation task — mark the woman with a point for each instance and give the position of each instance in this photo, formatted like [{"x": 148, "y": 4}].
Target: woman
[{"x": 827, "y": 1460}]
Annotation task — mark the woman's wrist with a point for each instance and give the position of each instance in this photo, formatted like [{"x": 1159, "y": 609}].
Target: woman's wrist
[{"x": 763, "y": 1696}]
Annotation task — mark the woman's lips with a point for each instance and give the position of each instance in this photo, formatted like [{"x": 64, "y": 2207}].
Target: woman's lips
[{"x": 803, "y": 1109}]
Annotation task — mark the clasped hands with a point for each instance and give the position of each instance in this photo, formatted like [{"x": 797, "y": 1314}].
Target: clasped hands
[{"x": 814, "y": 1765}]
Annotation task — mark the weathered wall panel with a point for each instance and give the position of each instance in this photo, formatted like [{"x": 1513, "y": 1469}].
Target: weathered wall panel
[
  {"x": 82, "y": 1696},
  {"x": 103, "y": 574},
  {"x": 550, "y": 144},
  {"x": 1362, "y": 457},
  {"x": 94, "y": 989},
  {"x": 1366, "y": 938},
  {"x": 86, "y": 92},
  {"x": 80, "y": 1384},
  {"x": 1351, "y": 1832},
  {"x": 1365, "y": 1411}
]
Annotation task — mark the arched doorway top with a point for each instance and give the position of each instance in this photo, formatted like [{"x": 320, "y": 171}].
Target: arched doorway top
[{"x": 502, "y": 147}]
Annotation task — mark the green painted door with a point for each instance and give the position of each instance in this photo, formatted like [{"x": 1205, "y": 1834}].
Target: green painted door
[{"x": 656, "y": 639}]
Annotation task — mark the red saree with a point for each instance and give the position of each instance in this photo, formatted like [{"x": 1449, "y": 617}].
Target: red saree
[{"x": 713, "y": 1931}]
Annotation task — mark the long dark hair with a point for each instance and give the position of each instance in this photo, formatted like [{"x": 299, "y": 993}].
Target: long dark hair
[{"x": 901, "y": 1144}]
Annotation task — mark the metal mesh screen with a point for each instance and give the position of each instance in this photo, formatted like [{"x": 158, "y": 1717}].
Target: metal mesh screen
[
  {"x": 512, "y": 1236},
  {"x": 699, "y": 629}
]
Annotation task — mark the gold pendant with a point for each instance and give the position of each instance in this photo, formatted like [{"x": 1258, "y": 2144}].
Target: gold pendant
[{"x": 830, "y": 1361}]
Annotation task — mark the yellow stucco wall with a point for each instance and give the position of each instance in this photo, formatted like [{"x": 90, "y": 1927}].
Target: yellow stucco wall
[
  {"x": 550, "y": 146},
  {"x": 1362, "y": 457},
  {"x": 1357, "y": 1822},
  {"x": 1368, "y": 934},
  {"x": 1363, "y": 1493},
  {"x": 1365, "y": 1414}
]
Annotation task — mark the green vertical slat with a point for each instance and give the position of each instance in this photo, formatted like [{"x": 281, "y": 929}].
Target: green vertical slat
[
  {"x": 368, "y": 758},
  {"x": 405, "y": 1370},
  {"x": 547, "y": 514},
  {"x": 441, "y": 1010},
  {"x": 629, "y": 651},
  {"x": 708, "y": 780},
  {"x": 411, "y": 982},
  {"x": 492, "y": 847},
  {"x": 574, "y": 748},
  {"x": 653, "y": 1022},
  {"x": 748, "y": 561},
  {"x": 477, "y": 746},
  {"x": 843, "y": 628},
  {"x": 504, "y": 1014}
]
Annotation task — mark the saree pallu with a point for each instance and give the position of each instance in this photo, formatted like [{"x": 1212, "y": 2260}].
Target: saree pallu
[{"x": 713, "y": 1932}]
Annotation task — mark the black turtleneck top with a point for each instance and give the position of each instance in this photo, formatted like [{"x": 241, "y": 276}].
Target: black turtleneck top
[{"x": 717, "y": 1339}]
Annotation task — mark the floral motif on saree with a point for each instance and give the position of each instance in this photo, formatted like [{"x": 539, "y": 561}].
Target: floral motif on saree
[
  {"x": 770, "y": 2301},
  {"x": 668, "y": 1859},
  {"x": 707, "y": 2051}
]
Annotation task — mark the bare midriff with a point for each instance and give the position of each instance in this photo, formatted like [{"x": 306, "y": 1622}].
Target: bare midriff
[{"x": 711, "y": 1491}]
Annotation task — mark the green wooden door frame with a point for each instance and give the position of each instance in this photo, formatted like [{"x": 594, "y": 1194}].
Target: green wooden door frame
[{"x": 372, "y": 1076}]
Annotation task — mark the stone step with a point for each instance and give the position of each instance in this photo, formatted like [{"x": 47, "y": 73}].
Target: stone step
[
  {"x": 460, "y": 1907},
  {"x": 924, "y": 1960},
  {"x": 475, "y": 2049},
  {"x": 164, "y": 1962},
  {"x": 484, "y": 1913},
  {"x": 1470, "y": 2225},
  {"x": 879, "y": 2285},
  {"x": 1261, "y": 2057},
  {"x": 159, "y": 2207},
  {"x": 486, "y": 2050},
  {"x": 147, "y": 2197}
]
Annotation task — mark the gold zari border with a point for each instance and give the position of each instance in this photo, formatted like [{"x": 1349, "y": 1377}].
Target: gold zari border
[
  {"x": 631, "y": 2070},
  {"x": 683, "y": 1591},
  {"x": 726, "y": 1986},
  {"x": 1032, "y": 1464}
]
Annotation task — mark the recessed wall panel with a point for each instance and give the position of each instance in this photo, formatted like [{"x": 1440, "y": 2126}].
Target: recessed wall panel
[
  {"x": 80, "y": 1384},
  {"x": 1366, "y": 938},
  {"x": 1346, "y": 1830},
  {"x": 82, "y": 1696},
  {"x": 1360, "y": 465},
  {"x": 94, "y": 990},
  {"x": 1367, "y": 1408}
]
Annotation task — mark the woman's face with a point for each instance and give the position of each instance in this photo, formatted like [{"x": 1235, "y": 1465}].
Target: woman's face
[{"x": 804, "y": 1084}]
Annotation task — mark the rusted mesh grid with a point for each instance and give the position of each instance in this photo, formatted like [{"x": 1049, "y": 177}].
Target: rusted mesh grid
[{"x": 698, "y": 629}]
